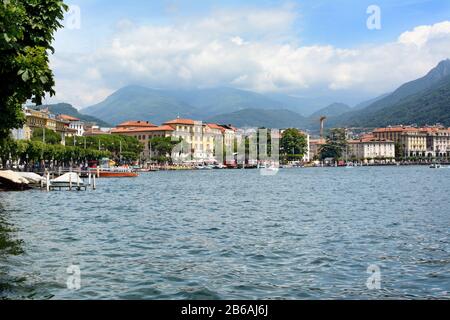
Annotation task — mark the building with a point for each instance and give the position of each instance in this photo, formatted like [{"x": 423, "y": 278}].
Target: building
[
  {"x": 314, "y": 148},
  {"x": 93, "y": 130},
  {"x": 438, "y": 141},
  {"x": 200, "y": 140},
  {"x": 74, "y": 123},
  {"x": 430, "y": 141},
  {"x": 40, "y": 119},
  {"x": 144, "y": 134},
  {"x": 370, "y": 148},
  {"x": 135, "y": 125}
]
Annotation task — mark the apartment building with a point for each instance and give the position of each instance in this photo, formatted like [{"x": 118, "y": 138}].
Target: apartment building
[
  {"x": 36, "y": 119},
  {"x": 143, "y": 131},
  {"x": 201, "y": 141},
  {"x": 430, "y": 141},
  {"x": 369, "y": 147},
  {"x": 74, "y": 123}
]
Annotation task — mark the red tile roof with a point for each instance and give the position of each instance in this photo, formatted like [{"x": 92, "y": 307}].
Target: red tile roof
[
  {"x": 396, "y": 129},
  {"x": 370, "y": 138},
  {"x": 216, "y": 126},
  {"x": 67, "y": 117},
  {"x": 136, "y": 124},
  {"x": 181, "y": 121},
  {"x": 142, "y": 130}
]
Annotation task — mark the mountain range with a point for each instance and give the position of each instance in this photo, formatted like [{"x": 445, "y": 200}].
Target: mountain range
[
  {"x": 422, "y": 101},
  {"x": 68, "y": 109},
  {"x": 416, "y": 102},
  {"x": 157, "y": 105}
]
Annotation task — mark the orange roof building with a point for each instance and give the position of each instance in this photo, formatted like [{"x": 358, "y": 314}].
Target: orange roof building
[
  {"x": 66, "y": 117},
  {"x": 136, "y": 124},
  {"x": 137, "y": 130},
  {"x": 181, "y": 121},
  {"x": 370, "y": 147}
]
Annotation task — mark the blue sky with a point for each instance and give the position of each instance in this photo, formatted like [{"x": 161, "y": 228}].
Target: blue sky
[
  {"x": 189, "y": 38},
  {"x": 340, "y": 23}
]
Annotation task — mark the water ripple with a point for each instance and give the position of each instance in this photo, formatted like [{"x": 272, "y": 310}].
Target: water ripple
[{"x": 302, "y": 234}]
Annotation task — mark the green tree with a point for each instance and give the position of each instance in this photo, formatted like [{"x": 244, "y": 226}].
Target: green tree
[
  {"x": 293, "y": 145},
  {"x": 51, "y": 137},
  {"x": 119, "y": 147},
  {"x": 25, "y": 44},
  {"x": 399, "y": 151},
  {"x": 163, "y": 147},
  {"x": 335, "y": 144}
]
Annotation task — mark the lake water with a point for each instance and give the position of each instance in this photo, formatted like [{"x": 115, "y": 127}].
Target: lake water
[{"x": 302, "y": 234}]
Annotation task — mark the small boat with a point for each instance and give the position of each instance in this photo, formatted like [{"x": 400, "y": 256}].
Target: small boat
[
  {"x": 108, "y": 169},
  {"x": 115, "y": 172},
  {"x": 68, "y": 180},
  {"x": 32, "y": 178},
  {"x": 269, "y": 171},
  {"x": 10, "y": 180},
  {"x": 435, "y": 166},
  {"x": 202, "y": 167}
]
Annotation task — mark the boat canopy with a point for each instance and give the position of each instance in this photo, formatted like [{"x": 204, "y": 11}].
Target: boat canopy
[
  {"x": 13, "y": 177},
  {"x": 70, "y": 177}
]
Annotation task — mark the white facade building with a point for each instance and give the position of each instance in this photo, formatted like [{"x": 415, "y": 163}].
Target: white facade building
[{"x": 368, "y": 147}]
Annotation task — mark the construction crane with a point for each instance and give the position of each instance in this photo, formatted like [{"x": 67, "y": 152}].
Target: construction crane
[{"x": 322, "y": 125}]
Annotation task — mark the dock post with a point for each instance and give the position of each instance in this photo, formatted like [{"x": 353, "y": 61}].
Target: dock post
[
  {"x": 89, "y": 178},
  {"x": 93, "y": 184},
  {"x": 70, "y": 182},
  {"x": 48, "y": 181},
  {"x": 98, "y": 172},
  {"x": 78, "y": 182}
]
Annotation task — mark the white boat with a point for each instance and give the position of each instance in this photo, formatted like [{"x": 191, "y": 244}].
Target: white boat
[
  {"x": 435, "y": 166},
  {"x": 10, "y": 180},
  {"x": 32, "y": 177},
  {"x": 201, "y": 167},
  {"x": 68, "y": 180},
  {"x": 269, "y": 171}
]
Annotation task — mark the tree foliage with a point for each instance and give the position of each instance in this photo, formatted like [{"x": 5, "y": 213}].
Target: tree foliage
[
  {"x": 163, "y": 147},
  {"x": 335, "y": 145},
  {"x": 25, "y": 44},
  {"x": 51, "y": 137},
  {"x": 293, "y": 145},
  {"x": 120, "y": 147},
  {"x": 36, "y": 151}
]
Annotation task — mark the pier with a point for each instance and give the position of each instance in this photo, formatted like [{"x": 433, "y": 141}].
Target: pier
[{"x": 49, "y": 181}]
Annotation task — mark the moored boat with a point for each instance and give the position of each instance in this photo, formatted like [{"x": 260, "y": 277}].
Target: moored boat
[
  {"x": 68, "y": 180},
  {"x": 10, "y": 180},
  {"x": 108, "y": 169},
  {"x": 118, "y": 172}
]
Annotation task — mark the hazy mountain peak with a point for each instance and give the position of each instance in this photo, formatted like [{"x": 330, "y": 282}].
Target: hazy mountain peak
[
  {"x": 441, "y": 71},
  {"x": 333, "y": 110}
]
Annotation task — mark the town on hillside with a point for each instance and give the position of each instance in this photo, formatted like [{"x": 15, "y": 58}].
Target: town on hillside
[{"x": 189, "y": 143}]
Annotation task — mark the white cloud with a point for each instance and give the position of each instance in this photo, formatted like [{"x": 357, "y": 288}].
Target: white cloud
[
  {"x": 238, "y": 41},
  {"x": 421, "y": 35},
  {"x": 212, "y": 52}
]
